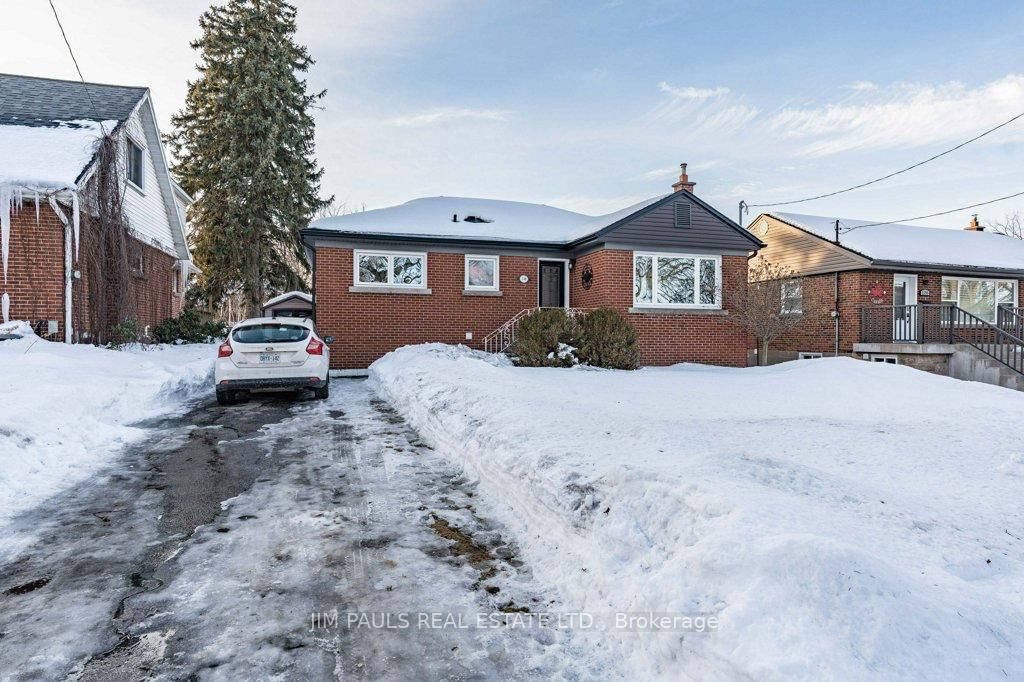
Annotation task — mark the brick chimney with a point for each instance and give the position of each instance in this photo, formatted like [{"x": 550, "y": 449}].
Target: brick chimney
[
  {"x": 684, "y": 181},
  {"x": 973, "y": 226}
]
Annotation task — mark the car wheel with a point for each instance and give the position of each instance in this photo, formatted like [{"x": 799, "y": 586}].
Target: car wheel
[
  {"x": 322, "y": 393},
  {"x": 225, "y": 397}
]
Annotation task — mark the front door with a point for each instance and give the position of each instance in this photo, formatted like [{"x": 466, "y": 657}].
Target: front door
[
  {"x": 904, "y": 308},
  {"x": 552, "y": 284}
]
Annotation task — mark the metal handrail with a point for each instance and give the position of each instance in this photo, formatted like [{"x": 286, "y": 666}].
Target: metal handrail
[
  {"x": 947, "y": 323},
  {"x": 502, "y": 338}
]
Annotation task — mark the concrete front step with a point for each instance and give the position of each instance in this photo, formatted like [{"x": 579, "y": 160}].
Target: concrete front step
[{"x": 970, "y": 364}]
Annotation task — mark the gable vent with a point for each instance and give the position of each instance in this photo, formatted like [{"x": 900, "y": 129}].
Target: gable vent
[{"x": 682, "y": 214}]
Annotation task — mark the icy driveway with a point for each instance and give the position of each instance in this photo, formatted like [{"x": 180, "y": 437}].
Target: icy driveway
[{"x": 302, "y": 509}]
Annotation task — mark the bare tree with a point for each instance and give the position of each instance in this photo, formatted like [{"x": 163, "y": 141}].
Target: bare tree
[
  {"x": 1010, "y": 225},
  {"x": 337, "y": 208},
  {"x": 769, "y": 303}
]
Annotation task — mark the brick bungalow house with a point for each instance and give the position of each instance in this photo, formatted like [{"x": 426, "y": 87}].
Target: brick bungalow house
[
  {"x": 458, "y": 270},
  {"x": 50, "y": 131},
  {"x": 891, "y": 285}
]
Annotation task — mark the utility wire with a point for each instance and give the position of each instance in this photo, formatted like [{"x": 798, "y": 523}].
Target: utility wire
[
  {"x": 933, "y": 215},
  {"x": 894, "y": 174},
  {"x": 88, "y": 92}
]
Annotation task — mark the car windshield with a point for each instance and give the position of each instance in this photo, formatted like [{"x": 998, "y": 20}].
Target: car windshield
[{"x": 270, "y": 333}]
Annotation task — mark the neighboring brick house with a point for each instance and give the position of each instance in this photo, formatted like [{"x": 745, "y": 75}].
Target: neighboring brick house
[
  {"x": 456, "y": 270},
  {"x": 888, "y": 283},
  {"x": 49, "y": 134}
]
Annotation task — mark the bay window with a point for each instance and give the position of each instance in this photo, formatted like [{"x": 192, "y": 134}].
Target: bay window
[
  {"x": 677, "y": 280},
  {"x": 390, "y": 269},
  {"x": 980, "y": 297}
]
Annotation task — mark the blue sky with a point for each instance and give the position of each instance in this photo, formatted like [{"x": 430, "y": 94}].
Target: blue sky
[{"x": 591, "y": 105}]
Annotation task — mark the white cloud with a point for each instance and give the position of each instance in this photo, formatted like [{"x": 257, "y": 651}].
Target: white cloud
[
  {"x": 692, "y": 93},
  {"x": 903, "y": 116},
  {"x": 862, "y": 86},
  {"x": 443, "y": 115}
]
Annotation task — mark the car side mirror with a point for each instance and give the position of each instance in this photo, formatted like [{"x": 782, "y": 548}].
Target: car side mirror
[{"x": 328, "y": 340}]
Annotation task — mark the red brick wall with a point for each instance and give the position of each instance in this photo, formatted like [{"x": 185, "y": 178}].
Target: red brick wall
[
  {"x": 35, "y": 279},
  {"x": 35, "y": 275},
  {"x": 365, "y": 326},
  {"x": 816, "y": 333},
  {"x": 671, "y": 336}
]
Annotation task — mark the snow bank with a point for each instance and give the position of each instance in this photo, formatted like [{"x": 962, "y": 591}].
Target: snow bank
[
  {"x": 842, "y": 519},
  {"x": 65, "y": 410}
]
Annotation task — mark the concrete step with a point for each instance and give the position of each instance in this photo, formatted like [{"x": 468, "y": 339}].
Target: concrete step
[{"x": 970, "y": 364}]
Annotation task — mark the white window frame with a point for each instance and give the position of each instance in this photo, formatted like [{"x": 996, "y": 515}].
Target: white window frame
[
  {"x": 995, "y": 282},
  {"x": 782, "y": 295},
  {"x": 884, "y": 359},
  {"x": 697, "y": 257},
  {"x": 497, "y": 266},
  {"x": 804, "y": 355},
  {"x": 357, "y": 254},
  {"x": 129, "y": 143}
]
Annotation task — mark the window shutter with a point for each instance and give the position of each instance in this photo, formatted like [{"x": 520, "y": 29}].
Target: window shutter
[{"x": 682, "y": 214}]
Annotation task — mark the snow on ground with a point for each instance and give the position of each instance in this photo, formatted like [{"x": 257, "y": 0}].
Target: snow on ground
[
  {"x": 66, "y": 409},
  {"x": 842, "y": 519}
]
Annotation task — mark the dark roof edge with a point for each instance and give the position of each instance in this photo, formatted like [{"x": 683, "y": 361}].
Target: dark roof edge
[
  {"x": 428, "y": 239},
  {"x": 661, "y": 202},
  {"x": 943, "y": 268}
]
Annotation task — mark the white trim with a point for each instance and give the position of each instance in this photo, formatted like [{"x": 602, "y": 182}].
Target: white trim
[
  {"x": 390, "y": 255},
  {"x": 953, "y": 278},
  {"x": 565, "y": 278},
  {"x": 697, "y": 257},
  {"x": 130, "y": 141},
  {"x": 872, "y": 357},
  {"x": 497, "y": 269}
]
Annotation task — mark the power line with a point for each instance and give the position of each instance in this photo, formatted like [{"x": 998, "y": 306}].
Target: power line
[
  {"x": 88, "y": 92},
  {"x": 893, "y": 174},
  {"x": 933, "y": 215}
]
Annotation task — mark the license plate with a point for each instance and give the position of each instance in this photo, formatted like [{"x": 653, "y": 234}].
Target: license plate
[{"x": 268, "y": 358}]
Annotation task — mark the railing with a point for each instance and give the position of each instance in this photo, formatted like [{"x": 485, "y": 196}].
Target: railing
[
  {"x": 947, "y": 323},
  {"x": 1010, "y": 320},
  {"x": 504, "y": 336}
]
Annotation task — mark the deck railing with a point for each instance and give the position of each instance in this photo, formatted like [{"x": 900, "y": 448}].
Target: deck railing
[{"x": 947, "y": 323}]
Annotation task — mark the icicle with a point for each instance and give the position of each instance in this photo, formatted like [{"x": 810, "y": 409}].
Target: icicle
[
  {"x": 37, "y": 209},
  {"x": 75, "y": 218},
  {"x": 5, "y": 303},
  {"x": 6, "y": 206}
]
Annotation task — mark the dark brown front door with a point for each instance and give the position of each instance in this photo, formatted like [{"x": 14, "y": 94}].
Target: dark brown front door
[{"x": 552, "y": 284}]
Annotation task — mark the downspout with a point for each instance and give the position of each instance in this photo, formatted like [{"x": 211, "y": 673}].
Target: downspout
[
  {"x": 69, "y": 274},
  {"x": 836, "y": 316},
  {"x": 835, "y": 352}
]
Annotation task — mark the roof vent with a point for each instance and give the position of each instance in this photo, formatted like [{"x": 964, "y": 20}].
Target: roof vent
[
  {"x": 477, "y": 219},
  {"x": 682, "y": 214},
  {"x": 455, "y": 217}
]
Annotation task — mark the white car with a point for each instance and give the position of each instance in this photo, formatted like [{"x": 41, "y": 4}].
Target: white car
[{"x": 272, "y": 353}]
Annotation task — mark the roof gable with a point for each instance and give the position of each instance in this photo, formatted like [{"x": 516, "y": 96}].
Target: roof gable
[{"x": 915, "y": 244}]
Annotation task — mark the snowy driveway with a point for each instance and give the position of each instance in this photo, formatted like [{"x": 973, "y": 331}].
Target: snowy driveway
[{"x": 260, "y": 541}]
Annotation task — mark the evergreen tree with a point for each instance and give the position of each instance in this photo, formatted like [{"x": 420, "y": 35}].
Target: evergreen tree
[{"x": 244, "y": 150}]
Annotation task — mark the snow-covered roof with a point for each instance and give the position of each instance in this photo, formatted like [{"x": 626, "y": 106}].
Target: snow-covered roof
[
  {"x": 48, "y": 156},
  {"x": 289, "y": 294},
  {"x": 916, "y": 244},
  {"x": 478, "y": 219}
]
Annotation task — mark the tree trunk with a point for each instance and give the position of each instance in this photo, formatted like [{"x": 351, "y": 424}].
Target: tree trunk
[{"x": 762, "y": 354}]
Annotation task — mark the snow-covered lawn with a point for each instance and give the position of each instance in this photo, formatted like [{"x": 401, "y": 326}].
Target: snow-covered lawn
[
  {"x": 842, "y": 519},
  {"x": 65, "y": 410}
]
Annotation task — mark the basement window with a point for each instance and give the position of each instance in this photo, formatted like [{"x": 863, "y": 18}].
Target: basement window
[
  {"x": 809, "y": 356},
  {"x": 133, "y": 163}
]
